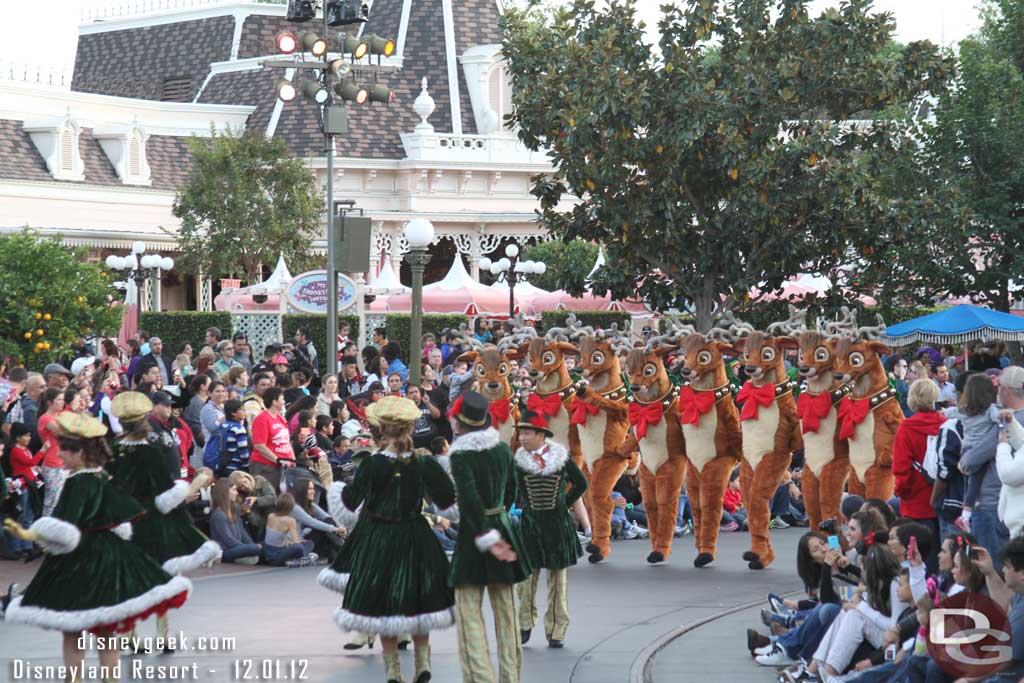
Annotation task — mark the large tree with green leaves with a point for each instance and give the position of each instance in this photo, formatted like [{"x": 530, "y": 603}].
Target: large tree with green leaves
[
  {"x": 52, "y": 296},
  {"x": 247, "y": 201},
  {"x": 973, "y": 151},
  {"x": 739, "y": 157},
  {"x": 568, "y": 263}
]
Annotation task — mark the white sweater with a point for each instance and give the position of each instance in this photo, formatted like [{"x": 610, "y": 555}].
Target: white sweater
[{"x": 1010, "y": 466}]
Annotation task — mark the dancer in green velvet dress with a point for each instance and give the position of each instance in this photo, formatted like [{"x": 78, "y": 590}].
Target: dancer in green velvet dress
[
  {"x": 166, "y": 531},
  {"x": 397, "y": 579},
  {"x": 92, "y": 579},
  {"x": 544, "y": 471}
]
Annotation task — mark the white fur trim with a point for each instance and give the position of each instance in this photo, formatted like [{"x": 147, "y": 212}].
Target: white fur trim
[
  {"x": 124, "y": 530},
  {"x": 418, "y": 625},
  {"x": 172, "y": 497},
  {"x": 554, "y": 461},
  {"x": 481, "y": 440},
  {"x": 56, "y": 536},
  {"x": 79, "y": 620},
  {"x": 207, "y": 554},
  {"x": 486, "y": 540},
  {"x": 340, "y": 512},
  {"x": 332, "y": 580}
]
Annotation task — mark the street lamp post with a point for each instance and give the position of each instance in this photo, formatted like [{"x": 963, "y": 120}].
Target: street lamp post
[
  {"x": 513, "y": 269},
  {"x": 138, "y": 266},
  {"x": 420, "y": 233}
]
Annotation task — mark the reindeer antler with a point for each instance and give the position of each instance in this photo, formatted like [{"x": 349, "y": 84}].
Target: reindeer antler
[
  {"x": 722, "y": 329},
  {"x": 468, "y": 339},
  {"x": 622, "y": 340},
  {"x": 846, "y": 326},
  {"x": 662, "y": 340},
  {"x": 557, "y": 334},
  {"x": 737, "y": 327},
  {"x": 872, "y": 332},
  {"x": 792, "y": 326},
  {"x": 522, "y": 333},
  {"x": 577, "y": 329}
]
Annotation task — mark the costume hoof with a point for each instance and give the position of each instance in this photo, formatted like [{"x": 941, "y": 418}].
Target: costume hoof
[
  {"x": 595, "y": 557},
  {"x": 655, "y": 557},
  {"x": 591, "y": 548},
  {"x": 703, "y": 559},
  {"x": 749, "y": 556},
  {"x": 756, "y": 564}
]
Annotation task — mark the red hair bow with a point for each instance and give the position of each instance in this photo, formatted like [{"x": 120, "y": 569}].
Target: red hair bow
[{"x": 869, "y": 538}]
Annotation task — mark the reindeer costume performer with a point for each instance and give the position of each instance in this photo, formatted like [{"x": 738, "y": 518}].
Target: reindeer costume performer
[
  {"x": 654, "y": 419},
  {"x": 771, "y": 430},
  {"x": 599, "y": 415},
  {"x": 711, "y": 428},
  {"x": 826, "y": 456},
  {"x": 491, "y": 366},
  {"x": 870, "y": 415}
]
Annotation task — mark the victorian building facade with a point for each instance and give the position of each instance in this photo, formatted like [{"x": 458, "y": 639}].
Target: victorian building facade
[{"x": 98, "y": 160}]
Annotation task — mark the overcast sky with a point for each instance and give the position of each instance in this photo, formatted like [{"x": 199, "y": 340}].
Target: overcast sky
[{"x": 24, "y": 22}]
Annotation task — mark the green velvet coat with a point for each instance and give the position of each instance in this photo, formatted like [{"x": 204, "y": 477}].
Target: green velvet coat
[
  {"x": 547, "y": 528},
  {"x": 166, "y": 532},
  {"x": 391, "y": 569},
  {"x": 92, "y": 577},
  {"x": 485, "y": 484}
]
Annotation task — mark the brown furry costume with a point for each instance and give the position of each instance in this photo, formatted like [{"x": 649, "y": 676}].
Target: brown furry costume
[
  {"x": 490, "y": 368},
  {"x": 869, "y": 416},
  {"x": 771, "y": 432},
  {"x": 714, "y": 442},
  {"x": 654, "y": 419},
  {"x": 826, "y": 456},
  {"x": 599, "y": 416}
]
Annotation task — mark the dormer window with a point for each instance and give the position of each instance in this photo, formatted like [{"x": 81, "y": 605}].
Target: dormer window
[
  {"x": 57, "y": 142},
  {"x": 500, "y": 94},
  {"x": 126, "y": 150}
]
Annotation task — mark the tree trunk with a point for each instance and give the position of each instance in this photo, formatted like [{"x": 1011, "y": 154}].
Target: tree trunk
[{"x": 704, "y": 305}]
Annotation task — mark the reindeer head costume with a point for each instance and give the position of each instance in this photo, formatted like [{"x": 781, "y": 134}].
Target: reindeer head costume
[
  {"x": 871, "y": 414},
  {"x": 654, "y": 418},
  {"x": 771, "y": 430},
  {"x": 491, "y": 366},
  {"x": 553, "y": 387},
  {"x": 711, "y": 428},
  {"x": 598, "y": 424}
]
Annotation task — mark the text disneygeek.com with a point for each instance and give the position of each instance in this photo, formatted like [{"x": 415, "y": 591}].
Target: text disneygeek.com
[{"x": 240, "y": 669}]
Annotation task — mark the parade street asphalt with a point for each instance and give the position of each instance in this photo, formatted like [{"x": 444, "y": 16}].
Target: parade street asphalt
[{"x": 631, "y": 623}]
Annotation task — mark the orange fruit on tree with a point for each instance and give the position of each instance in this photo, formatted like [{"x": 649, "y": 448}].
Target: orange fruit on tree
[
  {"x": 28, "y": 335},
  {"x": 39, "y": 316},
  {"x": 47, "y": 316},
  {"x": 39, "y": 333}
]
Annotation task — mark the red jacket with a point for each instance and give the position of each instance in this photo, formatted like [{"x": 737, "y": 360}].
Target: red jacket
[
  {"x": 732, "y": 500},
  {"x": 914, "y": 491},
  {"x": 22, "y": 462}
]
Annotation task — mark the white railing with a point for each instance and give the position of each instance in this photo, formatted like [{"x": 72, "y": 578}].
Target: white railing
[
  {"x": 128, "y": 8},
  {"x": 42, "y": 74}
]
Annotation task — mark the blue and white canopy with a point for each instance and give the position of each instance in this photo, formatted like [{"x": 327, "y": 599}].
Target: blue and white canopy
[{"x": 957, "y": 325}]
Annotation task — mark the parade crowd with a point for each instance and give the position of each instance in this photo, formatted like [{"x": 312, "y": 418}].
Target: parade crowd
[{"x": 252, "y": 442}]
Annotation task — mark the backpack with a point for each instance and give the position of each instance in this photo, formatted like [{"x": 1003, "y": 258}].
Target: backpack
[
  {"x": 931, "y": 463},
  {"x": 216, "y": 448}
]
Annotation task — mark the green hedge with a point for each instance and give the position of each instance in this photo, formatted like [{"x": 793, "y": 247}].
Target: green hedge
[
  {"x": 176, "y": 328},
  {"x": 315, "y": 325},
  {"x": 398, "y": 324},
  {"x": 596, "y": 319}
]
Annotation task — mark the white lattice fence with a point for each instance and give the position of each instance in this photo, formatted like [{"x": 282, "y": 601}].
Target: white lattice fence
[
  {"x": 372, "y": 321},
  {"x": 260, "y": 328}
]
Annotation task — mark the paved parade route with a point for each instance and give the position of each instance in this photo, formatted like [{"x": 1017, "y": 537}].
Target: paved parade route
[{"x": 626, "y": 617}]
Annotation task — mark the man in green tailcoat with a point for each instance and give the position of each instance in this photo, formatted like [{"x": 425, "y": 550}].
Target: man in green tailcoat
[{"x": 488, "y": 554}]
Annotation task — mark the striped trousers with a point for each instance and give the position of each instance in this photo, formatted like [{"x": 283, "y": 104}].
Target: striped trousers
[
  {"x": 556, "y": 617},
  {"x": 474, "y": 652}
]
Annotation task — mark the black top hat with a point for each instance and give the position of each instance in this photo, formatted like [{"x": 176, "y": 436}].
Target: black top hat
[
  {"x": 529, "y": 419},
  {"x": 471, "y": 410}
]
